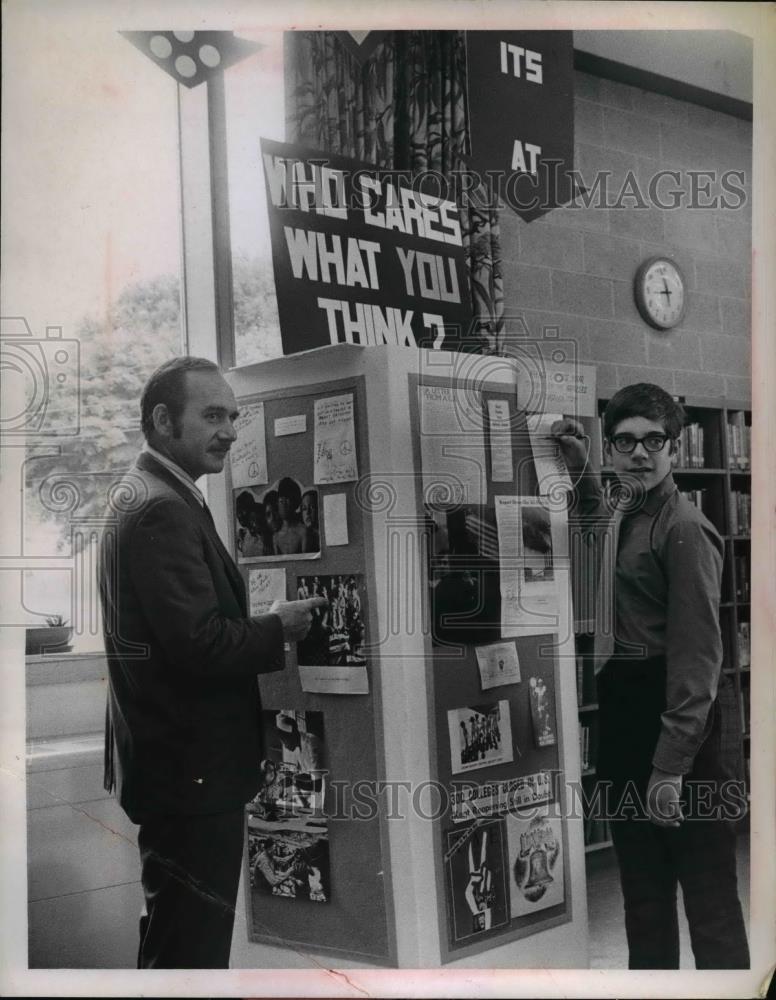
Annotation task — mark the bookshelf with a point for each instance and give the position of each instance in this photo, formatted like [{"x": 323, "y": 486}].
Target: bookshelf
[{"x": 714, "y": 471}]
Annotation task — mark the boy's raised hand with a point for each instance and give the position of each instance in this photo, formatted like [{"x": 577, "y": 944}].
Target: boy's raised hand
[{"x": 574, "y": 443}]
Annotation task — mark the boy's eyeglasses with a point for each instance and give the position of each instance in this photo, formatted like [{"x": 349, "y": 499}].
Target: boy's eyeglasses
[{"x": 626, "y": 443}]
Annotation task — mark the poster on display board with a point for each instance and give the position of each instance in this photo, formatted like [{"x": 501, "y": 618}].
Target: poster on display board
[
  {"x": 360, "y": 255},
  {"x": 292, "y": 772},
  {"x": 471, "y": 800},
  {"x": 535, "y": 847},
  {"x": 528, "y": 577},
  {"x": 477, "y": 883},
  {"x": 289, "y": 858}
]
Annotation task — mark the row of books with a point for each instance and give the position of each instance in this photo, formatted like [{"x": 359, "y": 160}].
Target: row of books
[
  {"x": 690, "y": 447},
  {"x": 746, "y": 714},
  {"x": 584, "y": 748},
  {"x": 586, "y": 689},
  {"x": 739, "y": 441},
  {"x": 695, "y": 496},
  {"x": 740, "y": 513},
  {"x": 744, "y": 642},
  {"x": 741, "y": 573}
]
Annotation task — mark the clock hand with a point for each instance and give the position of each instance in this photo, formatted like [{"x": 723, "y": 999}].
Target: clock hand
[{"x": 666, "y": 290}]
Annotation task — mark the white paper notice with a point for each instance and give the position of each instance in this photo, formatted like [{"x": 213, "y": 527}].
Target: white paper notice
[
  {"x": 248, "y": 456},
  {"x": 564, "y": 388},
  {"x": 335, "y": 518},
  {"x": 452, "y": 447},
  {"x": 501, "y": 466},
  {"x": 335, "y": 440},
  {"x": 551, "y": 471},
  {"x": 508, "y": 526},
  {"x": 264, "y": 587},
  {"x": 571, "y": 389},
  {"x": 498, "y": 664},
  {"x": 334, "y": 680},
  {"x": 296, "y": 424},
  {"x": 529, "y": 603}
]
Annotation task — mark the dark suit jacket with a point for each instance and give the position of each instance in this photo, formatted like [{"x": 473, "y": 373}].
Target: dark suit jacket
[{"x": 183, "y": 703}]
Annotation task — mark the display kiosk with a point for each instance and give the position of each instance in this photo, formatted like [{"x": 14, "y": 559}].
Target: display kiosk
[{"x": 421, "y": 747}]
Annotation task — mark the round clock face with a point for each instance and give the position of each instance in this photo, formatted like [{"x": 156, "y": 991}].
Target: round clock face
[{"x": 659, "y": 292}]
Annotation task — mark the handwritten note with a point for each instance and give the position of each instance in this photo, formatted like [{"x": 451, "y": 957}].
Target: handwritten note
[
  {"x": 335, "y": 440},
  {"x": 248, "y": 456},
  {"x": 264, "y": 587},
  {"x": 296, "y": 424}
]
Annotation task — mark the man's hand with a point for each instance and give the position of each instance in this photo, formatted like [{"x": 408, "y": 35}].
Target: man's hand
[
  {"x": 663, "y": 805},
  {"x": 297, "y": 616},
  {"x": 574, "y": 443}
]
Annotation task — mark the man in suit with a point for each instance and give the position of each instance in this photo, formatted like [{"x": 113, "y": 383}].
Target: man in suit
[{"x": 183, "y": 716}]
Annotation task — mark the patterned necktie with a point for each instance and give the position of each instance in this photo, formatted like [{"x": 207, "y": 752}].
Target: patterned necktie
[{"x": 603, "y": 642}]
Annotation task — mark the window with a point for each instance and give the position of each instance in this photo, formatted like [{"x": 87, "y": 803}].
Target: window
[
  {"x": 91, "y": 260},
  {"x": 254, "y": 110}
]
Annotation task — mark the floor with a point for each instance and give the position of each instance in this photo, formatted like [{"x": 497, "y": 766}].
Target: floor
[
  {"x": 608, "y": 947},
  {"x": 84, "y": 894},
  {"x": 85, "y": 897}
]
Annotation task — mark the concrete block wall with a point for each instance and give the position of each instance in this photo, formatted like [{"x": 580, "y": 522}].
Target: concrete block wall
[{"x": 573, "y": 268}]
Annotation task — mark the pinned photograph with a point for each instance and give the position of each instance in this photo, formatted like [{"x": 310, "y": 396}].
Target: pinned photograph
[
  {"x": 289, "y": 858},
  {"x": 293, "y": 779},
  {"x": 338, "y": 631},
  {"x": 535, "y": 847},
  {"x": 463, "y": 573},
  {"x": 542, "y": 712},
  {"x": 278, "y": 522},
  {"x": 480, "y": 735},
  {"x": 477, "y": 884},
  {"x": 498, "y": 664},
  {"x": 332, "y": 657},
  {"x": 537, "y": 546}
]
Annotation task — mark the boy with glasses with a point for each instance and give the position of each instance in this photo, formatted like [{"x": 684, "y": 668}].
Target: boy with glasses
[{"x": 668, "y": 750}]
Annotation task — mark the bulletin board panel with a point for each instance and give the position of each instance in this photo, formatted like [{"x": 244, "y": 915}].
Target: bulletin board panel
[
  {"x": 337, "y": 895},
  {"x": 482, "y": 737}
]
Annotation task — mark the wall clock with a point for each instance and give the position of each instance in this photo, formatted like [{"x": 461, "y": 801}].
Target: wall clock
[{"x": 659, "y": 290}]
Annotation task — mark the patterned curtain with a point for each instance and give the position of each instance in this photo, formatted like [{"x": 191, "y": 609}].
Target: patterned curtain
[{"x": 404, "y": 109}]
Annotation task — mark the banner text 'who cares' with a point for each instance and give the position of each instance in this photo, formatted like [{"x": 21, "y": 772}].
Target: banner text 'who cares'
[{"x": 374, "y": 254}]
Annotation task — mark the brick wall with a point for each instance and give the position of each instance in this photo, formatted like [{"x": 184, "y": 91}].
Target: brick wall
[{"x": 573, "y": 269}]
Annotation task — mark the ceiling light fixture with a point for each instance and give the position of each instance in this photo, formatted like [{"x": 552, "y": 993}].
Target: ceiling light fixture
[{"x": 191, "y": 57}]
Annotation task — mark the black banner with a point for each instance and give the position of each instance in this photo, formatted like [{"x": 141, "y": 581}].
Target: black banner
[
  {"x": 521, "y": 115},
  {"x": 363, "y": 256}
]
